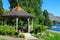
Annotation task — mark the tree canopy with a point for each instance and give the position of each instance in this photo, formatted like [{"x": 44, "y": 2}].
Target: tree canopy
[
  {"x": 31, "y": 6},
  {"x": 1, "y": 7}
]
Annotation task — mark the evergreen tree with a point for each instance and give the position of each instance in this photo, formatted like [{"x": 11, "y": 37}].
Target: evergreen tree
[
  {"x": 47, "y": 21},
  {"x": 1, "y": 7}
]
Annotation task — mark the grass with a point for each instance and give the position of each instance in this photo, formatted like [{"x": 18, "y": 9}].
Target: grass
[
  {"x": 2, "y": 39},
  {"x": 55, "y": 37},
  {"x": 51, "y": 36}
]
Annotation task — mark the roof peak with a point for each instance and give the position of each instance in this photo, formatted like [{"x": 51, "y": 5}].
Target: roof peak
[{"x": 17, "y": 8}]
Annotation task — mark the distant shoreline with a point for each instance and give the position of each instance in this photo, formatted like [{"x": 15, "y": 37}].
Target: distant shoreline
[{"x": 53, "y": 31}]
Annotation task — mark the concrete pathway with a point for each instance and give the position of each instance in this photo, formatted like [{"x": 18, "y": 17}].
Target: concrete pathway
[{"x": 28, "y": 36}]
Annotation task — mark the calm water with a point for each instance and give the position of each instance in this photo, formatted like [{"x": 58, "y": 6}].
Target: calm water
[{"x": 56, "y": 27}]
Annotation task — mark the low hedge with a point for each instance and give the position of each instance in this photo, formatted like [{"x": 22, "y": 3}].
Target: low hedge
[
  {"x": 39, "y": 28},
  {"x": 7, "y": 30}
]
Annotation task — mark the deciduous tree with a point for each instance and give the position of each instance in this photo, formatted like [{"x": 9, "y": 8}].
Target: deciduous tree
[
  {"x": 31, "y": 6},
  {"x": 1, "y": 7}
]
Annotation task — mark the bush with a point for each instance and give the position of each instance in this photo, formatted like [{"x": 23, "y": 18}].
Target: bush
[
  {"x": 7, "y": 30},
  {"x": 39, "y": 28}
]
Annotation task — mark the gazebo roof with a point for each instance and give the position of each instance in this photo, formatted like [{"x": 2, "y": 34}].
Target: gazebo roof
[{"x": 19, "y": 12}]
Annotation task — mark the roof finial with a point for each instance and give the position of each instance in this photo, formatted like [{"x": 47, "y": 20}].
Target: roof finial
[{"x": 17, "y": 7}]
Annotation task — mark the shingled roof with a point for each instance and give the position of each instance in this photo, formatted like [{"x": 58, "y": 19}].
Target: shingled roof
[{"x": 19, "y": 12}]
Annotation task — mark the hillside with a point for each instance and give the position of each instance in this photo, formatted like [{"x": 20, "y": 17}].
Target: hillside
[{"x": 54, "y": 18}]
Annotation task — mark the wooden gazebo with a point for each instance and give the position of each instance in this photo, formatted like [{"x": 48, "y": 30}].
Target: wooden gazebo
[{"x": 19, "y": 13}]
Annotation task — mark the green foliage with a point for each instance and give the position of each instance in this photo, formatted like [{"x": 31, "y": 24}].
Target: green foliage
[
  {"x": 21, "y": 22},
  {"x": 47, "y": 21},
  {"x": 45, "y": 14},
  {"x": 2, "y": 39},
  {"x": 1, "y": 7},
  {"x": 1, "y": 22},
  {"x": 30, "y": 10},
  {"x": 13, "y": 3},
  {"x": 55, "y": 37},
  {"x": 7, "y": 30},
  {"x": 41, "y": 20},
  {"x": 39, "y": 28},
  {"x": 52, "y": 36},
  {"x": 36, "y": 35},
  {"x": 13, "y": 21},
  {"x": 31, "y": 6},
  {"x": 5, "y": 11}
]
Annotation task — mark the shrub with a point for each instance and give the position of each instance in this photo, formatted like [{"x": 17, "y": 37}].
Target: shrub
[
  {"x": 39, "y": 28},
  {"x": 7, "y": 30}
]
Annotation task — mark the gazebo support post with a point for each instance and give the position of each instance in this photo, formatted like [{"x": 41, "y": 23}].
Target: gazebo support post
[
  {"x": 28, "y": 25},
  {"x": 3, "y": 22},
  {"x": 16, "y": 23},
  {"x": 32, "y": 24}
]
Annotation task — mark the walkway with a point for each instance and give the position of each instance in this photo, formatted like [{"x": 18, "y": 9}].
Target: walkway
[
  {"x": 10, "y": 38},
  {"x": 28, "y": 37}
]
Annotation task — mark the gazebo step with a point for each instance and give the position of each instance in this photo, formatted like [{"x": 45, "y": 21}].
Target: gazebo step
[{"x": 32, "y": 38}]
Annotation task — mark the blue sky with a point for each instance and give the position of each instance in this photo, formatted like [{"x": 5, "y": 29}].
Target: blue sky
[
  {"x": 5, "y": 4},
  {"x": 52, "y": 6}
]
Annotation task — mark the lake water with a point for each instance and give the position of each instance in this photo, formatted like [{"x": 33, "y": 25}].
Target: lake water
[{"x": 56, "y": 27}]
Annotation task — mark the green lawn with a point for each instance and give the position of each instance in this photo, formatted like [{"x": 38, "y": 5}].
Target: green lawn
[
  {"x": 52, "y": 36},
  {"x": 2, "y": 39}
]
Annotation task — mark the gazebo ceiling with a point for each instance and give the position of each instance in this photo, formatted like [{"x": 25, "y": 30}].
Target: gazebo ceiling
[{"x": 18, "y": 12}]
